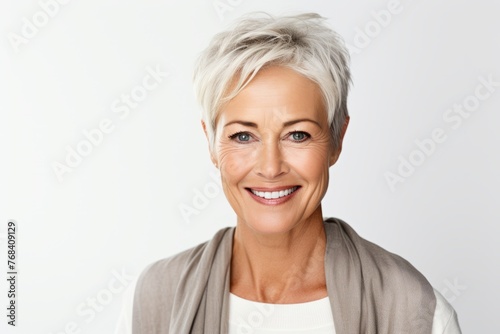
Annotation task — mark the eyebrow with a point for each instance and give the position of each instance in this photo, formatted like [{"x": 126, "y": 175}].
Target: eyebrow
[{"x": 253, "y": 125}]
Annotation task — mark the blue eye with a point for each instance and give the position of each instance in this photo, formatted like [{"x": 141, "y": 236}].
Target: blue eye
[
  {"x": 299, "y": 136},
  {"x": 241, "y": 137}
]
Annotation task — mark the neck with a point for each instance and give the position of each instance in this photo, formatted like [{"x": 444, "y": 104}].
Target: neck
[{"x": 280, "y": 268}]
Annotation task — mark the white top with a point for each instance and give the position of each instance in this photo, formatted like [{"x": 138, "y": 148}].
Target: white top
[
  {"x": 246, "y": 316},
  {"x": 302, "y": 316}
]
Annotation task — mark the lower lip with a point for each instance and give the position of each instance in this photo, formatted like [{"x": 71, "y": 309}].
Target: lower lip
[{"x": 272, "y": 201}]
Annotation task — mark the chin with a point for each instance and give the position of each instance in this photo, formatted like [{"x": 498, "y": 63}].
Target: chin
[{"x": 270, "y": 223}]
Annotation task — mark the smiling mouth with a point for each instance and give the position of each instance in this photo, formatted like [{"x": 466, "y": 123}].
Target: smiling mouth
[{"x": 273, "y": 194}]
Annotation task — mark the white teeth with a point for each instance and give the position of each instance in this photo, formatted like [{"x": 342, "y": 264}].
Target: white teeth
[{"x": 274, "y": 194}]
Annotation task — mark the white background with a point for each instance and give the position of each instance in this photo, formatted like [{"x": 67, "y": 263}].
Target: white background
[{"x": 120, "y": 208}]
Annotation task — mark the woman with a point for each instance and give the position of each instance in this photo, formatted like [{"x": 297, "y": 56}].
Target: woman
[{"x": 274, "y": 92}]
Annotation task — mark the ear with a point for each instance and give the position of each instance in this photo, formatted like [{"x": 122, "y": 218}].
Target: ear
[
  {"x": 212, "y": 157},
  {"x": 336, "y": 153}
]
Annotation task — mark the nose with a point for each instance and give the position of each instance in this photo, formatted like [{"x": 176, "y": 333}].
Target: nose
[{"x": 270, "y": 163}]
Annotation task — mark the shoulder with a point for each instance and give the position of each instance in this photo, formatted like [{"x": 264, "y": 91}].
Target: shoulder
[
  {"x": 445, "y": 317},
  {"x": 379, "y": 261},
  {"x": 155, "y": 289},
  {"x": 154, "y": 286},
  {"x": 168, "y": 269},
  {"x": 384, "y": 277},
  {"x": 159, "y": 282}
]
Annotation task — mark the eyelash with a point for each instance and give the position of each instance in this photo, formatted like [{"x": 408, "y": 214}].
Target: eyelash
[
  {"x": 235, "y": 135},
  {"x": 307, "y": 136}
]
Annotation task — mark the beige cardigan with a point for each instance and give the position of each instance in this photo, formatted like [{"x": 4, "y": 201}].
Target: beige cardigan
[{"x": 370, "y": 289}]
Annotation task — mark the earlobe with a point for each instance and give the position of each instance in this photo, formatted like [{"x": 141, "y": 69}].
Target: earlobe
[
  {"x": 212, "y": 157},
  {"x": 335, "y": 156},
  {"x": 344, "y": 128},
  {"x": 336, "y": 153},
  {"x": 204, "y": 126}
]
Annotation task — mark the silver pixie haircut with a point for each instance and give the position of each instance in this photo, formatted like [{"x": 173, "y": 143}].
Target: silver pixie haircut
[{"x": 303, "y": 43}]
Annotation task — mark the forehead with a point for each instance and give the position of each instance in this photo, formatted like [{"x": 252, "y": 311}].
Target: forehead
[{"x": 276, "y": 92}]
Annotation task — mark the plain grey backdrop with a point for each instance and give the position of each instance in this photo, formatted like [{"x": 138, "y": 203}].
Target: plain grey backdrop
[{"x": 105, "y": 168}]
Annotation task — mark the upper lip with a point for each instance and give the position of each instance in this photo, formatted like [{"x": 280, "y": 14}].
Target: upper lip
[{"x": 272, "y": 189}]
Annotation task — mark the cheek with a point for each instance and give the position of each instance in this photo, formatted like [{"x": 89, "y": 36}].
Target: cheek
[
  {"x": 312, "y": 160},
  {"x": 234, "y": 162}
]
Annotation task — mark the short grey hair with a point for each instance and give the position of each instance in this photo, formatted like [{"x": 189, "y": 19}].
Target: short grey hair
[{"x": 303, "y": 43}]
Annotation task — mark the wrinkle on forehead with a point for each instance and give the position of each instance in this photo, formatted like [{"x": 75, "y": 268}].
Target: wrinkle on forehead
[{"x": 279, "y": 91}]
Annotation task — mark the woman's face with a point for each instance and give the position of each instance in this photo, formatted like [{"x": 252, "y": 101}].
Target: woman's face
[{"x": 273, "y": 150}]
